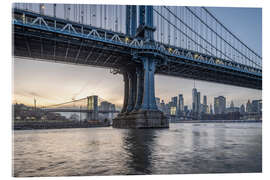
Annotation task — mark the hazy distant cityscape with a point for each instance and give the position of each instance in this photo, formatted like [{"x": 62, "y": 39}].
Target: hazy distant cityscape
[
  {"x": 176, "y": 110},
  {"x": 220, "y": 109}
]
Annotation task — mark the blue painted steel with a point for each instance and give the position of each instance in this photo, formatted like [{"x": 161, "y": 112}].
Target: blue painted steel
[
  {"x": 149, "y": 102},
  {"x": 233, "y": 69},
  {"x": 142, "y": 15},
  {"x": 133, "y": 20},
  {"x": 126, "y": 92},
  {"x": 149, "y": 17},
  {"x": 53, "y": 29},
  {"x": 128, "y": 7},
  {"x": 132, "y": 90},
  {"x": 140, "y": 88}
]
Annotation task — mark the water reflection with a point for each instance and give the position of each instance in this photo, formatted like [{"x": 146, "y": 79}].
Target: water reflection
[
  {"x": 184, "y": 148},
  {"x": 139, "y": 145}
]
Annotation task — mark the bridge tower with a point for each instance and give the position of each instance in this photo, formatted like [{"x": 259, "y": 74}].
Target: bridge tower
[
  {"x": 139, "y": 107},
  {"x": 92, "y": 106}
]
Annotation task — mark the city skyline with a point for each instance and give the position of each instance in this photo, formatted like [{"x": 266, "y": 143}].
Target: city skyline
[
  {"x": 202, "y": 102},
  {"x": 34, "y": 79},
  {"x": 92, "y": 86}
]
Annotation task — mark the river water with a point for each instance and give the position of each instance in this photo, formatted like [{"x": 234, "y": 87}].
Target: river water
[{"x": 183, "y": 148}]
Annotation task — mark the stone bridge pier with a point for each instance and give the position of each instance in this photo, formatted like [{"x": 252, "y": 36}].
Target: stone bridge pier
[{"x": 139, "y": 107}]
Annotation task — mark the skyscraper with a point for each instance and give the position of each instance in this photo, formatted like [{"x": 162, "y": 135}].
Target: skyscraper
[
  {"x": 204, "y": 104},
  {"x": 211, "y": 109},
  {"x": 199, "y": 102},
  {"x": 173, "y": 106},
  {"x": 174, "y": 101},
  {"x": 194, "y": 100},
  {"x": 248, "y": 107},
  {"x": 219, "y": 104},
  {"x": 180, "y": 104},
  {"x": 242, "y": 109}
]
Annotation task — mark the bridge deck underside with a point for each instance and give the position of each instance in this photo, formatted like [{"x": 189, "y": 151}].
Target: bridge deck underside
[
  {"x": 57, "y": 47},
  {"x": 211, "y": 74},
  {"x": 42, "y": 45}
]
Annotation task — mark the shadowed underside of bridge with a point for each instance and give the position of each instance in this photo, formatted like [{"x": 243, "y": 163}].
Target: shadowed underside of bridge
[{"x": 134, "y": 54}]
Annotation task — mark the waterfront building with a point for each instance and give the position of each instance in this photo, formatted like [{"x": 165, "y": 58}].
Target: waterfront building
[
  {"x": 199, "y": 102},
  {"x": 220, "y": 105},
  {"x": 248, "y": 107},
  {"x": 158, "y": 103},
  {"x": 195, "y": 105},
  {"x": 242, "y": 109},
  {"x": 174, "y": 101},
  {"x": 173, "y": 110},
  {"x": 105, "y": 106},
  {"x": 232, "y": 104},
  {"x": 211, "y": 109},
  {"x": 256, "y": 106},
  {"x": 162, "y": 106},
  {"x": 180, "y": 104},
  {"x": 185, "y": 109},
  {"x": 204, "y": 106}
]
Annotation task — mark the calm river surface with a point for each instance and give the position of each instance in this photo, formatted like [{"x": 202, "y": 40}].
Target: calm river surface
[{"x": 183, "y": 148}]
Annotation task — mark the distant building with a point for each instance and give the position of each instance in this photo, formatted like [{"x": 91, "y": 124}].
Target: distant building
[
  {"x": 105, "y": 106},
  {"x": 242, "y": 109},
  {"x": 211, "y": 109},
  {"x": 232, "y": 104},
  {"x": 162, "y": 106},
  {"x": 220, "y": 105},
  {"x": 158, "y": 103},
  {"x": 113, "y": 107},
  {"x": 180, "y": 104},
  {"x": 167, "y": 109},
  {"x": 232, "y": 109},
  {"x": 199, "y": 102},
  {"x": 256, "y": 106},
  {"x": 173, "y": 110},
  {"x": 174, "y": 101},
  {"x": 204, "y": 106},
  {"x": 185, "y": 109},
  {"x": 248, "y": 107},
  {"x": 196, "y": 100}
]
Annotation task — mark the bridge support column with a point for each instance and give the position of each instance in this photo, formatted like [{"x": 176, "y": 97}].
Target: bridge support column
[
  {"x": 132, "y": 90},
  {"x": 126, "y": 91},
  {"x": 149, "y": 100},
  {"x": 139, "y": 95},
  {"x": 142, "y": 111}
]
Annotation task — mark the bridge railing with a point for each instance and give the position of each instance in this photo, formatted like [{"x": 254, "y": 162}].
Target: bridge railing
[
  {"x": 110, "y": 17},
  {"x": 53, "y": 24}
]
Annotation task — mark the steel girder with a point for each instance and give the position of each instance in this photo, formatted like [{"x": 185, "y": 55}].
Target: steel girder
[{"x": 68, "y": 46}]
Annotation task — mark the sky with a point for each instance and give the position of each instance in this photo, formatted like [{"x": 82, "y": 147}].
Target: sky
[{"x": 53, "y": 83}]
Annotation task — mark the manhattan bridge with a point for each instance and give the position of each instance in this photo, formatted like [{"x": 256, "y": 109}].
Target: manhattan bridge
[{"x": 137, "y": 42}]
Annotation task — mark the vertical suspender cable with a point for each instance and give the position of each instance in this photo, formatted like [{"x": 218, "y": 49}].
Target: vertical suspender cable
[
  {"x": 105, "y": 16},
  {"x": 169, "y": 30},
  {"x": 120, "y": 17},
  {"x": 101, "y": 15}
]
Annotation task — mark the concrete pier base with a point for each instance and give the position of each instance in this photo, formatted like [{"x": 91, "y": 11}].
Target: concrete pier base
[{"x": 141, "y": 119}]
